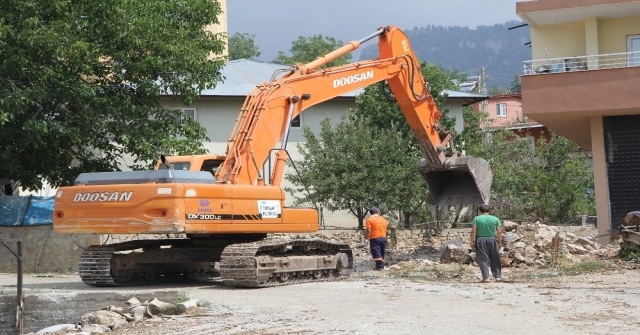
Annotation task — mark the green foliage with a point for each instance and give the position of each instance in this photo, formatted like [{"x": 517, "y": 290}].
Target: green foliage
[
  {"x": 348, "y": 167},
  {"x": 181, "y": 297},
  {"x": 629, "y": 252},
  {"x": 242, "y": 46},
  {"x": 497, "y": 90},
  {"x": 547, "y": 181},
  {"x": 304, "y": 50},
  {"x": 369, "y": 158},
  {"x": 373, "y": 106},
  {"x": 516, "y": 85},
  {"x": 81, "y": 83},
  {"x": 474, "y": 130},
  {"x": 588, "y": 266}
]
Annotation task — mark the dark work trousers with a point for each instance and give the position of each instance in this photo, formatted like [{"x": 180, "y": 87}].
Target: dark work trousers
[
  {"x": 378, "y": 246},
  {"x": 488, "y": 253}
]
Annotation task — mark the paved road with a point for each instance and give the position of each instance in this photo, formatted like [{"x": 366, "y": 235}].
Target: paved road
[{"x": 375, "y": 303}]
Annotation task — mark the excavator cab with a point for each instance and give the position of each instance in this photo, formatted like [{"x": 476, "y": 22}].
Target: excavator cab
[{"x": 457, "y": 182}]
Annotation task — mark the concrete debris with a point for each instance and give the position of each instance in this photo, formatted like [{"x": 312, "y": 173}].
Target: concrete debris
[
  {"x": 112, "y": 317},
  {"x": 96, "y": 329},
  {"x": 108, "y": 319},
  {"x": 532, "y": 244},
  {"x": 187, "y": 306},
  {"x": 56, "y": 328},
  {"x": 455, "y": 254},
  {"x": 510, "y": 237},
  {"x": 509, "y": 225},
  {"x": 136, "y": 310},
  {"x": 577, "y": 249}
]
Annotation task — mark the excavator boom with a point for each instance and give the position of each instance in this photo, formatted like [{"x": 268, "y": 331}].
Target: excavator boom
[{"x": 453, "y": 179}]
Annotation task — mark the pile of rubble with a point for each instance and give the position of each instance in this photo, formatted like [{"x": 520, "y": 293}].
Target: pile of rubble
[
  {"x": 533, "y": 244},
  {"x": 112, "y": 317}
]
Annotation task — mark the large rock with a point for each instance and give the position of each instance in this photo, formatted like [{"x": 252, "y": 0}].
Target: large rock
[
  {"x": 544, "y": 235},
  {"x": 510, "y": 237},
  {"x": 455, "y": 254},
  {"x": 105, "y": 318},
  {"x": 587, "y": 244},
  {"x": 519, "y": 245},
  {"x": 570, "y": 237},
  {"x": 509, "y": 225},
  {"x": 187, "y": 306},
  {"x": 576, "y": 249}
]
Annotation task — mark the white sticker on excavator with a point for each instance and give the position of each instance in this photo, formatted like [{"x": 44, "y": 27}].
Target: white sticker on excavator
[
  {"x": 269, "y": 209},
  {"x": 164, "y": 190}
]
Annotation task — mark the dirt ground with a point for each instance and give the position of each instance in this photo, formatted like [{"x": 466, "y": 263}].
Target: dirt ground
[{"x": 411, "y": 298}]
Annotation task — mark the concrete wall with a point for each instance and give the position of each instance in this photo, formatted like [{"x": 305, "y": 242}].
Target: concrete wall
[
  {"x": 43, "y": 251},
  {"x": 613, "y": 33},
  {"x": 558, "y": 40}
]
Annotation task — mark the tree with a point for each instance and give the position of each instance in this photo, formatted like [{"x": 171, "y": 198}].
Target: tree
[
  {"x": 81, "y": 83},
  {"x": 497, "y": 90},
  {"x": 242, "y": 46},
  {"x": 547, "y": 181},
  {"x": 353, "y": 166},
  {"x": 304, "y": 50},
  {"x": 516, "y": 85},
  {"x": 370, "y": 158}
]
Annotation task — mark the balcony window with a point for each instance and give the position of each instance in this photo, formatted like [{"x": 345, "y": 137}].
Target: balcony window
[
  {"x": 501, "y": 110},
  {"x": 633, "y": 46}
]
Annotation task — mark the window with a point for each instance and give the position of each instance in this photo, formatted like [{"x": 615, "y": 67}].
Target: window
[
  {"x": 190, "y": 112},
  {"x": 501, "y": 110},
  {"x": 633, "y": 45},
  {"x": 296, "y": 123},
  {"x": 211, "y": 165}
]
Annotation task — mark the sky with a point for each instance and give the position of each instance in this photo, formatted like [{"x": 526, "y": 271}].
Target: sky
[{"x": 277, "y": 23}]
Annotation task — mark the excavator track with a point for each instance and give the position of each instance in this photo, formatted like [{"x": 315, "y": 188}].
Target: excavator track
[
  {"x": 255, "y": 264},
  {"x": 121, "y": 264},
  {"x": 280, "y": 262}
]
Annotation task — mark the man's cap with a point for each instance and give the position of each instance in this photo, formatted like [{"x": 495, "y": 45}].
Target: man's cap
[{"x": 374, "y": 210}]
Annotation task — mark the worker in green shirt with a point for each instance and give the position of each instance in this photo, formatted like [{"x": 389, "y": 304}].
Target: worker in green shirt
[{"x": 486, "y": 240}]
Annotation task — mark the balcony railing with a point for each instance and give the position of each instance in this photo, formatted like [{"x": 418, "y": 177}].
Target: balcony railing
[{"x": 582, "y": 63}]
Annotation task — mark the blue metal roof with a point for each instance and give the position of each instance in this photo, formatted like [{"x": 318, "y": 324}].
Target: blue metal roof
[{"x": 241, "y": 76}]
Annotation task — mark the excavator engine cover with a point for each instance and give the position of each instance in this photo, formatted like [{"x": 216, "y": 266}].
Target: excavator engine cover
[{"x": 459, "y": 181}]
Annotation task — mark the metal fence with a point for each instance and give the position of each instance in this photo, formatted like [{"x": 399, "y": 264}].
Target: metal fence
[{"x": 581, "y": 63}]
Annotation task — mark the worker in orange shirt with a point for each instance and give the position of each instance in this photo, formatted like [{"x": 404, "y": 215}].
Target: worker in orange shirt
[{"x": 377, "y": 235}]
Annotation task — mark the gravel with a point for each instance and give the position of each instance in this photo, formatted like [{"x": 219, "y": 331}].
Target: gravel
[{"x": 536, "y": 302}]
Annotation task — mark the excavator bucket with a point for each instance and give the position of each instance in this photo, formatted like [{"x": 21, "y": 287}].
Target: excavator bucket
[{"x": 459, "y": 181}]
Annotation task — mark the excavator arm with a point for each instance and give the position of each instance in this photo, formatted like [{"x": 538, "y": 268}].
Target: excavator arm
[{"x": 264, "y": 120}]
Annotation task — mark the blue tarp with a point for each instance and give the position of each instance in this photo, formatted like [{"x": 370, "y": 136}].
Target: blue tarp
[{"x": 26, "y": 211}]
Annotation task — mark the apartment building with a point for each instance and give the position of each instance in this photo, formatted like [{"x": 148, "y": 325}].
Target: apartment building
[{"x": 583, "y": 83}]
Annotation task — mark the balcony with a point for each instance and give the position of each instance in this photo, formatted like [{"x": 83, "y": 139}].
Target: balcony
[
  {"x": 582, "y": 63},
  {"x": 565, "y": 93}
]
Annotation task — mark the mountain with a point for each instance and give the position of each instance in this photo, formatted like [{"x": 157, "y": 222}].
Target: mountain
[{"x": 495, "y": 47}]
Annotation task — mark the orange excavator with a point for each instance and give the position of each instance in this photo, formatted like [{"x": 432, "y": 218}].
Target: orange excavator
[{"x": 224, "y": 206}]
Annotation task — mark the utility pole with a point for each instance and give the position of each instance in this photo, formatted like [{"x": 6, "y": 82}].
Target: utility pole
[{"x": 484, "y": 105}]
